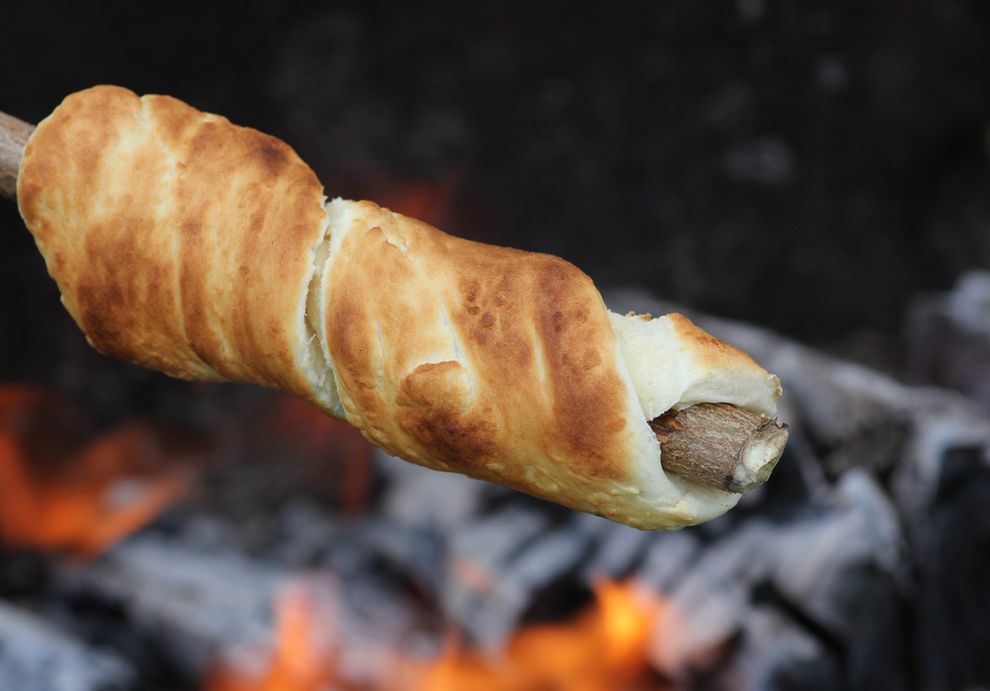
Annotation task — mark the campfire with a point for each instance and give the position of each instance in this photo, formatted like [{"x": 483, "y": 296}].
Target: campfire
[
  {"x": 603, "y": 648},
  {"x": 168, "y": 536},
  {"x": 84, "y": 498},
  {"x": 301, "y": 656},
  {"x": 272, "y": 549}
]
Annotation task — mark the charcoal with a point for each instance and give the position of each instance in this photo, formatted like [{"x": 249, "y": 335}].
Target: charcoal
[
  {"x": 953, "y": 629},
  {"x": 776, "y": 654},
  {"x": 408, "y": 556},
  {"x": 872, "y": 643},
  {"x": 194, "y": 603},
  {"x": 36, "y": 656},
  {"x": 416, "y": 496},
  {"x": 848, "y": 139},
  {"x": 478, "y": 596},
  {"x": 546, "y": 560},
  {"x": 860, "y": 565},
  {"x": 668, "y": 558},
  {"x": 618, "y": 549},
  {"x": 200, "y": 606},
  {"x": 304, "y": 534},
  {"x": 696, "y": 626},
  {"x": 948, "y": 338},
  {"x": 945, "y": 426},
  {"x": 22, "y": 571},
  {"x": 811, "y": 582},
  {"x": 810, "y": 560},
  {"x": 804, "y": 563}
]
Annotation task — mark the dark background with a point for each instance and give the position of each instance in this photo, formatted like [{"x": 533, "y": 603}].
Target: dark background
[{"x": 807, "y": 166}]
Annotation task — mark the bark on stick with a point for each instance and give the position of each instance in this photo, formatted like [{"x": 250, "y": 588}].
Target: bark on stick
[
  {"x": 14, "y": 134},
  {"x": 720, "y": 445}
]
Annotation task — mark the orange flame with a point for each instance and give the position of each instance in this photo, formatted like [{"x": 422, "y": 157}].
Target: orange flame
[
  {"x": 301, "y": 658},
  {"x": 428, "y": 201},
  {"x": 602, "y": 649},
  {"x": 99, "y": 493}
]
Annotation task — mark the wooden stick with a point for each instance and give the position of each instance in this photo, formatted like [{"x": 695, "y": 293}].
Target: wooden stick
[
  {"x": 712, "y": 444},
  {"x": 719, "y": 445},
  {"x": 14, "y": 134}
]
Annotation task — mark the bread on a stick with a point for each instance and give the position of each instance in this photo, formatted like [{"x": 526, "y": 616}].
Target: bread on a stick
[{"x": 206, "y": 250}]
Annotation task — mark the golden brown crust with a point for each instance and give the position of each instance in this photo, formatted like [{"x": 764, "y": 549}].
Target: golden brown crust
[
  {"x": 710, "y": 352},
  {"x": 486, "y": 360},
  {"x": 179, "y": 241},
  {"x": 190, "y": 245}
]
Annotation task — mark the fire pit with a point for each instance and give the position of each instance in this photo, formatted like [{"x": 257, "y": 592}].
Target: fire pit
[
  {"x": 783, "y": 166},
  {"x": 271, "y": 548}
]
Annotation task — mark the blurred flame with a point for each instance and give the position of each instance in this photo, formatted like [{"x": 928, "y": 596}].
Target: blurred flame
[
  {"x": 301, "y": 658},
  {"x": 94, "y": 496},
  {"x": 627, "y": 616},
  {"x": 428, "y": 201},
  {"x": 602, "y": 649}
]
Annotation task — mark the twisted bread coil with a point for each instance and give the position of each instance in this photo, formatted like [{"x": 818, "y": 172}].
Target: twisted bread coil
[{"x": 205, "y": 250}]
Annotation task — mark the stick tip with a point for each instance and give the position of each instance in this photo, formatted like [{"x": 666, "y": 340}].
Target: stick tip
[{"x": 758, "y": 457}]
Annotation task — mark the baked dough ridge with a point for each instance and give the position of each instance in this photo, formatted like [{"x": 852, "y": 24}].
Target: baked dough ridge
[{"x": 208, "y": 251}]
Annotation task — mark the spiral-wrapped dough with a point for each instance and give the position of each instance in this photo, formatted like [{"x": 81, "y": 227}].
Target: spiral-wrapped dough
[{"x": 187, "y": 244}]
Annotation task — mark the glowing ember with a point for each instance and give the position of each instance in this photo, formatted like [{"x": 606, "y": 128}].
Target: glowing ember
[
  {"x": 427, "y": 201},
  {"x": 91, "y": 496},
  {"x": 302, "y": 655},
  {"x": 602, "y": 649}
]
